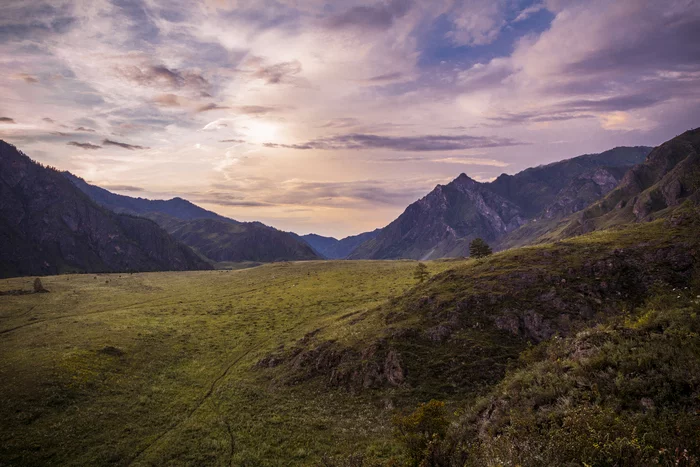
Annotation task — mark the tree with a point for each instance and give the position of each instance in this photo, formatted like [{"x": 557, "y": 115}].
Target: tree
[
  {"x": 479, "y": 248},
  {"x": 421, "y": 272}
]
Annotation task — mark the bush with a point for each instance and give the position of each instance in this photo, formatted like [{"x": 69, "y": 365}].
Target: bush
[{"x": 421, "y": 431}]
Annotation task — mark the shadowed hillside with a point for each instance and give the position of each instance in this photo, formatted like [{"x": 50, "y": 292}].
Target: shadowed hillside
[
  {"x": 218, "y": 238},
  {"x": 48, "y": 226}
]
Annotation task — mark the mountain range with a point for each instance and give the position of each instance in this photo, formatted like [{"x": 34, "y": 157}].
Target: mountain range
[
  {"x": 217, "y": 238},
  {"x": 332, "y": 248},
  {"x": 48, "y": 226},
  {"x": 442, "y": 223},
  {"x": 53, "y": 222}
]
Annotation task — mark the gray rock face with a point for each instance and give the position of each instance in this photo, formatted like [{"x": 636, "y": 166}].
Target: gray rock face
[
  {"x": 445, "y": 221},
  {"x": 48, "y": 226}
]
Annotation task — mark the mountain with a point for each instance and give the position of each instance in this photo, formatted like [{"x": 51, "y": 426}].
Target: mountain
[
  {"x": 48, "y": 226},
  {"x": 444, "y": 222},
  {"x": 236, "y": 241},
  {"x": 332, "y": 248},
  {"x": 668, "y": 176},
  {"x": 177, "y": 207},
  {"x": 216, "y": 237}
]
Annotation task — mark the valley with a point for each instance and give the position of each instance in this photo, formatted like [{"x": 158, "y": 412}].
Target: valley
[
  {"x": 158, "y": 368},
  {"x": 308, "y": 362}
]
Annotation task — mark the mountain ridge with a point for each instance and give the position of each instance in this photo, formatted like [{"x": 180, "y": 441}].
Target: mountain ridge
[
  {"x": 218, "y": 238},
  {"x": 49, "y": 226},
  {"x": 442, "y": 223}
]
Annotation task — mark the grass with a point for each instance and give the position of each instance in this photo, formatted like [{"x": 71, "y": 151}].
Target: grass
[
  {"x": 159, "y": 368},
  {"x": 162, "y": 368}
]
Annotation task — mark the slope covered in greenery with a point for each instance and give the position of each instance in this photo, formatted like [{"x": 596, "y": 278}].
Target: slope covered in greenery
[{"x": 301, "y": 363}]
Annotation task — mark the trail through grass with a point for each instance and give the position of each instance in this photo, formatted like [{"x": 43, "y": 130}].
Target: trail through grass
[{"x": 159, "y": 368}]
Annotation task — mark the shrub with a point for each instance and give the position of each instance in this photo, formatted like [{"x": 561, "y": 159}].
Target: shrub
[{"x": 421, "y": 431}]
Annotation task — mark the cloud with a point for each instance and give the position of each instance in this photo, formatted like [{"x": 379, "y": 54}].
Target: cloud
[
  {"x": 167, "y": 100},
  {"x": 232, "y": 141},
  {"x": 344, "y": 122},
  {"x": 162, "y": 77},
  {"x": 211, "y": 106},
  {"x": 130, "y": 188},
  {"x": 255, "y": 109},
  {"x": 85, "y": 129},
  {"x": 130, "y": 147},
  {"x": 477, "y": 22},
  {"x": 402, "y": 143},
  {"x": 27, "y": 78},
  {"x": 277, "y": 73},
  {"x": 83, "y": 145},
  {"x": 373, "y": 17},
  {"x": 529, "y": 11},
  {"x": 7, "y": 120},
  {"x": 462, "y": 160}
]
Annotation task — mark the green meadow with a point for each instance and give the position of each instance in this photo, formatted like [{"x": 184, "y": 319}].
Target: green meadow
[{"x": 160, "y": 368}]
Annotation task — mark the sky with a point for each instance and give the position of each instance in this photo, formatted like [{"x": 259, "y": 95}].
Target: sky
[{"x": 332, "y": 116}]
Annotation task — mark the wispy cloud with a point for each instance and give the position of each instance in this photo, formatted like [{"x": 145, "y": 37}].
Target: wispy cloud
[
  {"x": 131, "y": 147},
  {"x": 402, "y": 143},
  {"x": 83, "y": 145}
]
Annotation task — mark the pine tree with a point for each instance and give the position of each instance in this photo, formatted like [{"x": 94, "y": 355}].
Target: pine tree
[
  {"x": 479, "y": 248},
  {"x": 421, "y": 272}
]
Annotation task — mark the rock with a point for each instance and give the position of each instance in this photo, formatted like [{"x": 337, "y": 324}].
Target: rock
[{"x": 393, "y": 371}]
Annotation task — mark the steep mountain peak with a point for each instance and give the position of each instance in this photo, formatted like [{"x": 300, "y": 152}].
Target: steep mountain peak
[
  {"x": 444, "y": 221},
  {"x": 464, "y": 180}
]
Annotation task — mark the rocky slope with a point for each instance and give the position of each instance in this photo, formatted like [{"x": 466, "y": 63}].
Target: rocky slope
[
  {"x": 48, "y": 226},
  {"x": 458, "y": 331},
  {"x": 444, "y": 222},
  {"x": 216, "y": 237},
  {"x": 670, "y": 175}
]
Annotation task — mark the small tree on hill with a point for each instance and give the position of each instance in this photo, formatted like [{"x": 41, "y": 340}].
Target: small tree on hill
[
  {"x": 479, "y": 248},
  {"x": 421, "y": 272}
]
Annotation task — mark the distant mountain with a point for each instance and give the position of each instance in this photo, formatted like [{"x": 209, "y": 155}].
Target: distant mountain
[
  {"x": 236, "y": 242},
  {"x": 177, "y": 207},
  {"x": 444, "y": 222},
  {"x": 48, "y": 226},
  {"x": 216, "y": 237},
  {"x": 668, "y": 176},
  {"x": 332, "y": 248}
]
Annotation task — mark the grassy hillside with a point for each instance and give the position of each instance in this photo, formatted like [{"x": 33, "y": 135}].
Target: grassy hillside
[
  {"x": 284, "y": 364},
  {"x": 154, "y": 369}
]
